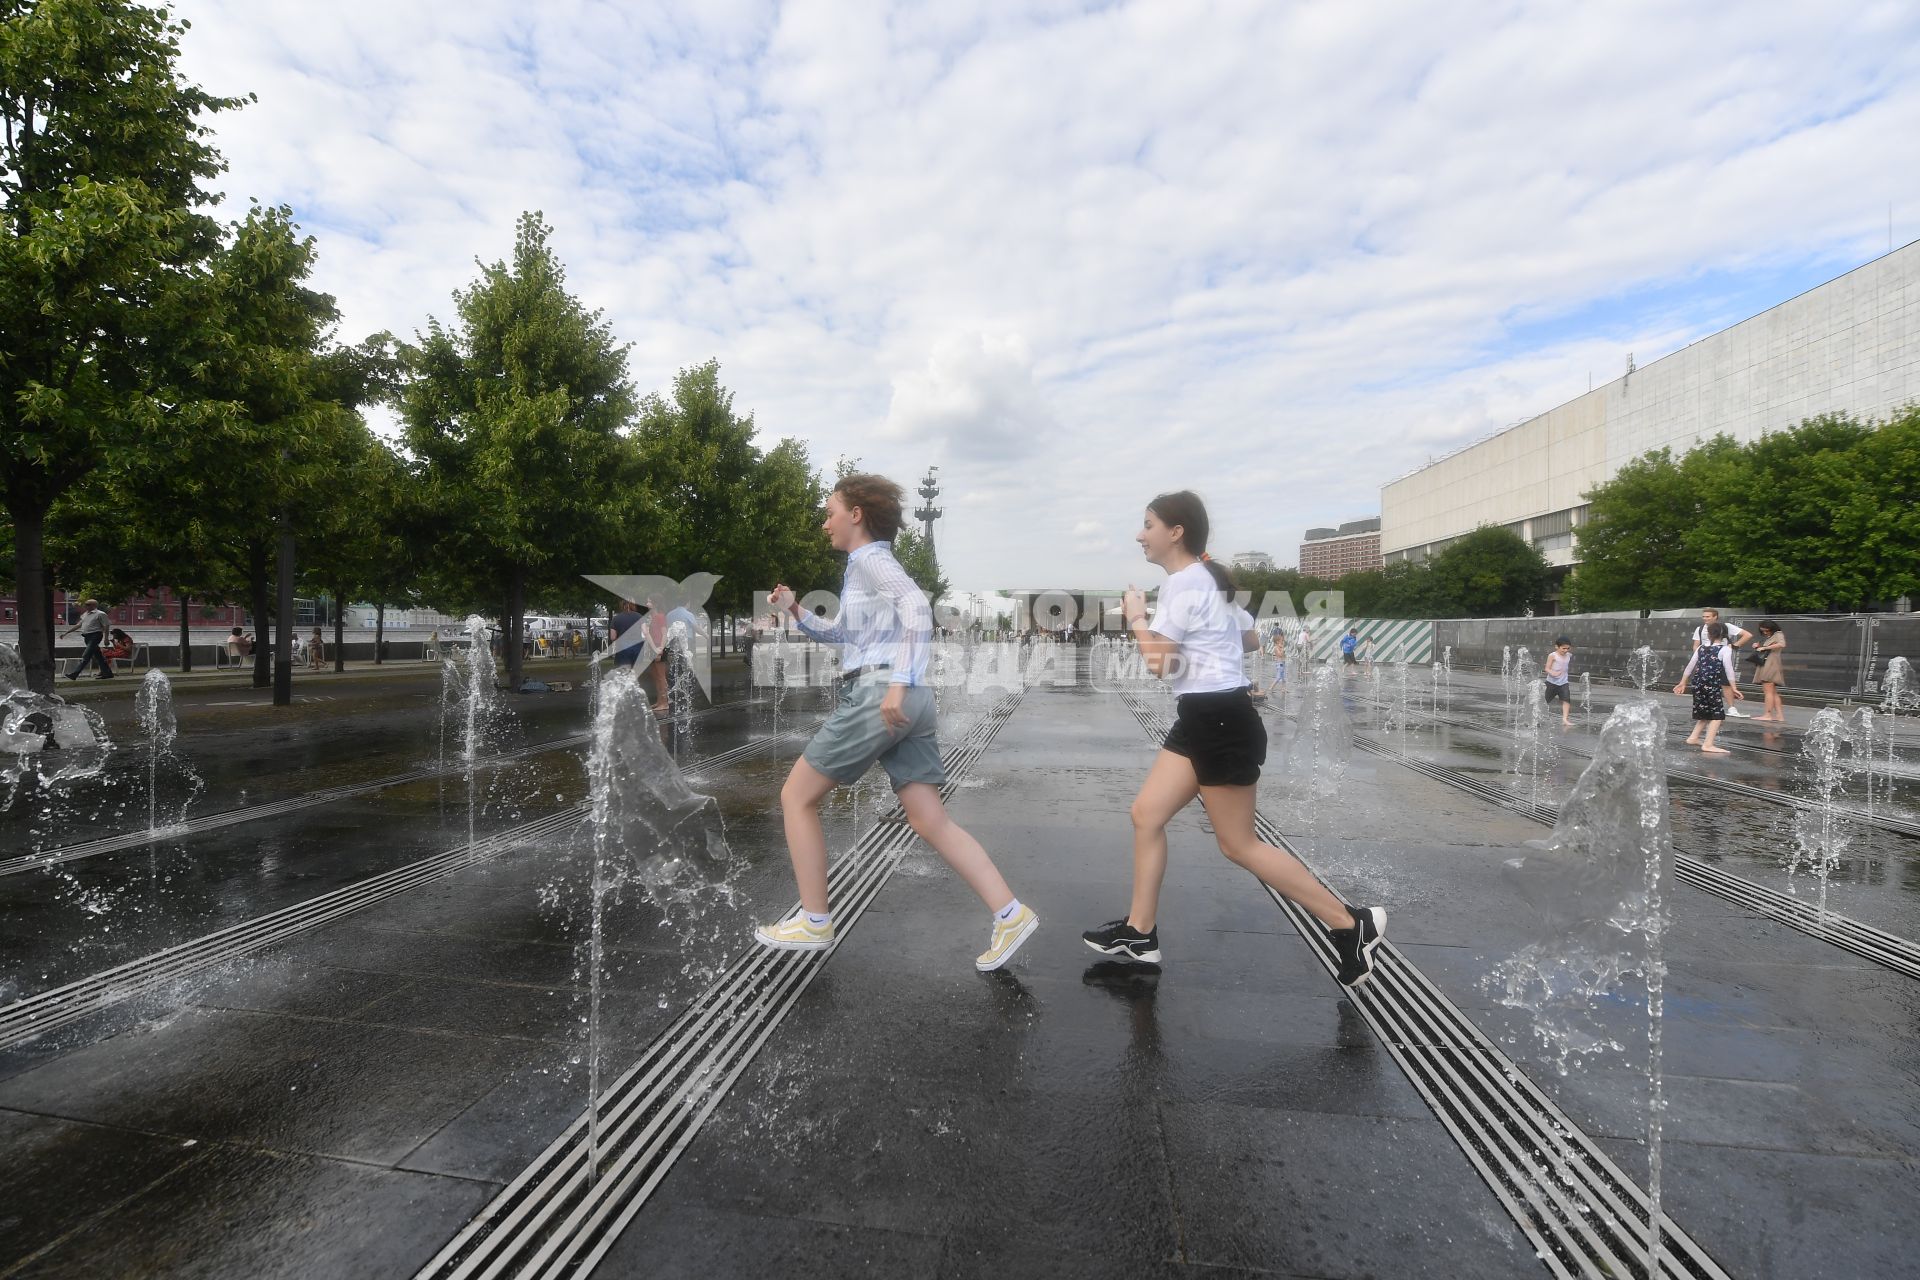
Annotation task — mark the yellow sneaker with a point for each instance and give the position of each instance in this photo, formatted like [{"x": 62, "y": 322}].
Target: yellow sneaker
[
  {"x": 795, "y": 933},
  {"x": 1007, "y": 937}
]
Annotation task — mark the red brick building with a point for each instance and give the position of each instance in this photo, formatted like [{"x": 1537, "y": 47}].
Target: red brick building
[
  {"x": 1352, "y": 548},
  {"x": 155, "y": 609}
]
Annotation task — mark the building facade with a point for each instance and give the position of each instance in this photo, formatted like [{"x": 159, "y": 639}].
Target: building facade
[
  {"x": 1253, "y": 561},
  {"x": 1851, "y": 345},
  {"x": 1352, "y": 548}
]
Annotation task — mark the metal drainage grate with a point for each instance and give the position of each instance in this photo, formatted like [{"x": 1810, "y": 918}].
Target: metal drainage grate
[
  {"x": 1886, "y": 822},
  {"x": 26, "y": 1019},
  {"x": 554, "y": 1220},
  {"x": 1891, "y": 950},
  {"x": 1585, "y": 1216}
]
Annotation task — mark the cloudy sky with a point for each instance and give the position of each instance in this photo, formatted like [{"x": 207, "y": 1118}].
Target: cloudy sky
[{"x": 1075, "y": 254}]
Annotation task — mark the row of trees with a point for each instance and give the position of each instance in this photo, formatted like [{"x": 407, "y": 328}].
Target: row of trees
[
  {"x": 176, "y": 409},
  {"x": 1822, "y": 517},
  {"x": 1490, "y": 573}
]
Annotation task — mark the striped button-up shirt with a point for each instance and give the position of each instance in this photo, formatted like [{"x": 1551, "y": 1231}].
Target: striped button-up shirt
[{"x": 884, "y": 618}]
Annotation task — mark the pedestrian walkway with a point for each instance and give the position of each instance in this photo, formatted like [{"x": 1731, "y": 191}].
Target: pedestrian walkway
[{"x": 1229, "y": 1115}]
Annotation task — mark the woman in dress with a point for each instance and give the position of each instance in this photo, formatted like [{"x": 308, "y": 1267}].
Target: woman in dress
[
  {"x": 1772, "y": 673},
  {"x": 1709, "y": 678}
]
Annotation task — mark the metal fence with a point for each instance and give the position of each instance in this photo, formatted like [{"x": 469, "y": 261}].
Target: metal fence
[{"x": 1840, "y": 654}]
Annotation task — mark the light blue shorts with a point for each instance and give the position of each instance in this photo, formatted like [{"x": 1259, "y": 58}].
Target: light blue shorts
[{"x": 855, "y": 736}]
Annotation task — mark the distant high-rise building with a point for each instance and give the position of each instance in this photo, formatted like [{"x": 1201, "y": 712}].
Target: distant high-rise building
[{"x": 1352, "y": 548}]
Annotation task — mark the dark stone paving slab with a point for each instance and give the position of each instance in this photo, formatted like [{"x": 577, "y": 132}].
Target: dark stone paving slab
[
  {"x": 1229, "y": 1115},
  {"x": 341, "y": 1106},
  {"x": 270, "y": 1214},
  {"x": 1790, "y": 1065}
]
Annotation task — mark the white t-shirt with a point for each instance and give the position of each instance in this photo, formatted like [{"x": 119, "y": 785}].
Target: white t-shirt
[
  {"x": 1558, "y": 665},
  {"x": 1207, "y": 626},
  {"x": 1734, "y": 634}
]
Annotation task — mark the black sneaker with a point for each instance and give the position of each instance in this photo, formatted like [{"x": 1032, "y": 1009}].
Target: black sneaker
[
  {"x": 1355, "y": 946},
  {"x": 1118, "y": 938}
]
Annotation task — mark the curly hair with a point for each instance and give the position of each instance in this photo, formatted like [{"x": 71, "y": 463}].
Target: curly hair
[{"x": 879, "y": 500}]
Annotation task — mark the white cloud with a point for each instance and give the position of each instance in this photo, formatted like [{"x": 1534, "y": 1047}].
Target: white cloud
[{"x": 1081, "y": 255}]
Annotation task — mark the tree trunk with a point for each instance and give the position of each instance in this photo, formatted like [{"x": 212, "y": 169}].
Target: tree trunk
[
  {"x": 35, "y": 596},
  {"x": 262, "y": 614},
  {"x": 53, "y": 619},
  {"x": 379, "y": 633},
  {"x": 339, "y": 632},
  {"x": 283, "y": 628},
  {"x": 516, "y": 623},
  {"x": 186, "y": 638}
]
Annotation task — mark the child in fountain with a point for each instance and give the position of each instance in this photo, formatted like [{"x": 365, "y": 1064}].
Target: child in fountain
[
  {"x": 885, "y": 714},
  {"x": 1558, "y": 664},
  {"x": 1197, "y": 639},
  {"x": 1709, "y": 678}
]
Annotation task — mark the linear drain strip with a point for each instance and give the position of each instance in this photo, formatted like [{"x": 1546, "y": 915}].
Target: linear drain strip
[
  {"x": 1885, "y": 822},
  {"x": 292, "y": 804},
  {"x": 1586, "y": 1217},
  {"x": 35, "y": 1015},
  {"x": 553, "y": 1220},
  {"x": 1889, "y": 949}
]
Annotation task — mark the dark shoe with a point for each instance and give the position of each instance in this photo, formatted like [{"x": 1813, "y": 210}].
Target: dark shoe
[
  {"x": 1355, "y": 946},
  {"x": 1118, "y": 938}
]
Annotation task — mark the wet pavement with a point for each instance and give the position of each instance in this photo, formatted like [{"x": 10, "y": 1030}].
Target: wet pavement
[{"x": 341, "y": 1101}]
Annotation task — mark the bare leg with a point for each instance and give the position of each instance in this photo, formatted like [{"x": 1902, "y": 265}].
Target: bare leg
[
  {"x": 1707, "y": 747},
  {"x": 1169, "y": 787},
  {"x": 1231, "y": 809},
  {"x": 932, "y": 823},
  {"x": 800, "y": 799}
]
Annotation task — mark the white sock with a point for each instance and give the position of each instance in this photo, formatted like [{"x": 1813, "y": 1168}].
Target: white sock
[
  {"x": 1008, "y": 912},
  {"x": 817, "y": 921}
]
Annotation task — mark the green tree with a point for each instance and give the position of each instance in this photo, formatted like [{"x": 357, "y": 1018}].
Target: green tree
[
  {"x": 1490, "y": 573},
  {"x": 922, "y": 563},
  {"x": 1882, "y": 524},
  {"x": 1632, "y": 550},
  {"x": 102, "y": 171},
  {"x": 1780, "y": 518},
  {"x": 700, "y": 467},
  {"x": 515, "y": 421}
]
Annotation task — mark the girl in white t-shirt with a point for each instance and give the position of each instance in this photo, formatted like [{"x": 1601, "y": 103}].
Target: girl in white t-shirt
[{"x": 1197, "y": 640}]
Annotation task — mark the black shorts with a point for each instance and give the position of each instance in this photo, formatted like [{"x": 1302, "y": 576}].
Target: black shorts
[
  {"x": 1557, "y": 691},
  {"x": 1222, "y": 734},
  {"x": 1349, "y": 659}
]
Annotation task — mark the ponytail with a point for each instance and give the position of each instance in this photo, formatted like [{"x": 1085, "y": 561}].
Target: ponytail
[
  {"x": 1222, "y": 576},
  {"x": 1184, "y": 508}
]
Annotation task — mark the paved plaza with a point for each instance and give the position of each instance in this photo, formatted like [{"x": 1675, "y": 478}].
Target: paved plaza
[{"x": 320, "y": 1029}]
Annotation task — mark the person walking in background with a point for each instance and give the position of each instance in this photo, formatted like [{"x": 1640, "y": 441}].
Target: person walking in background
[
  {"x": 1366, "y": 655},
  {"x": 1278, "y": 647},
  {"x": 92, "y": 626},
  {"x": 1772, "y": 674},
  {"x": 1349, "y": 646},
  {"x": 1557, "y": 666},
  {"x": 316, "y": 650},
  {"x": 1708, "y": 678}
]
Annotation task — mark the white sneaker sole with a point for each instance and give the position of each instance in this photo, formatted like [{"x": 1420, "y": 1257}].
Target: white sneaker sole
[
  {"x": 1379, "y": 915},
  {"x": 1127, "y": 953},
  {"x": 781, "y": 944},
  {"x": 988, "y": 966}
]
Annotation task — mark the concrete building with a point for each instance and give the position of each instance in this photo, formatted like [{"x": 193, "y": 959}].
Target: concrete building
[
  {"x": 1255, "y": 561},
  {"x": 1352, "y": 548},
  {"x": 1851, "y": 345}
]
